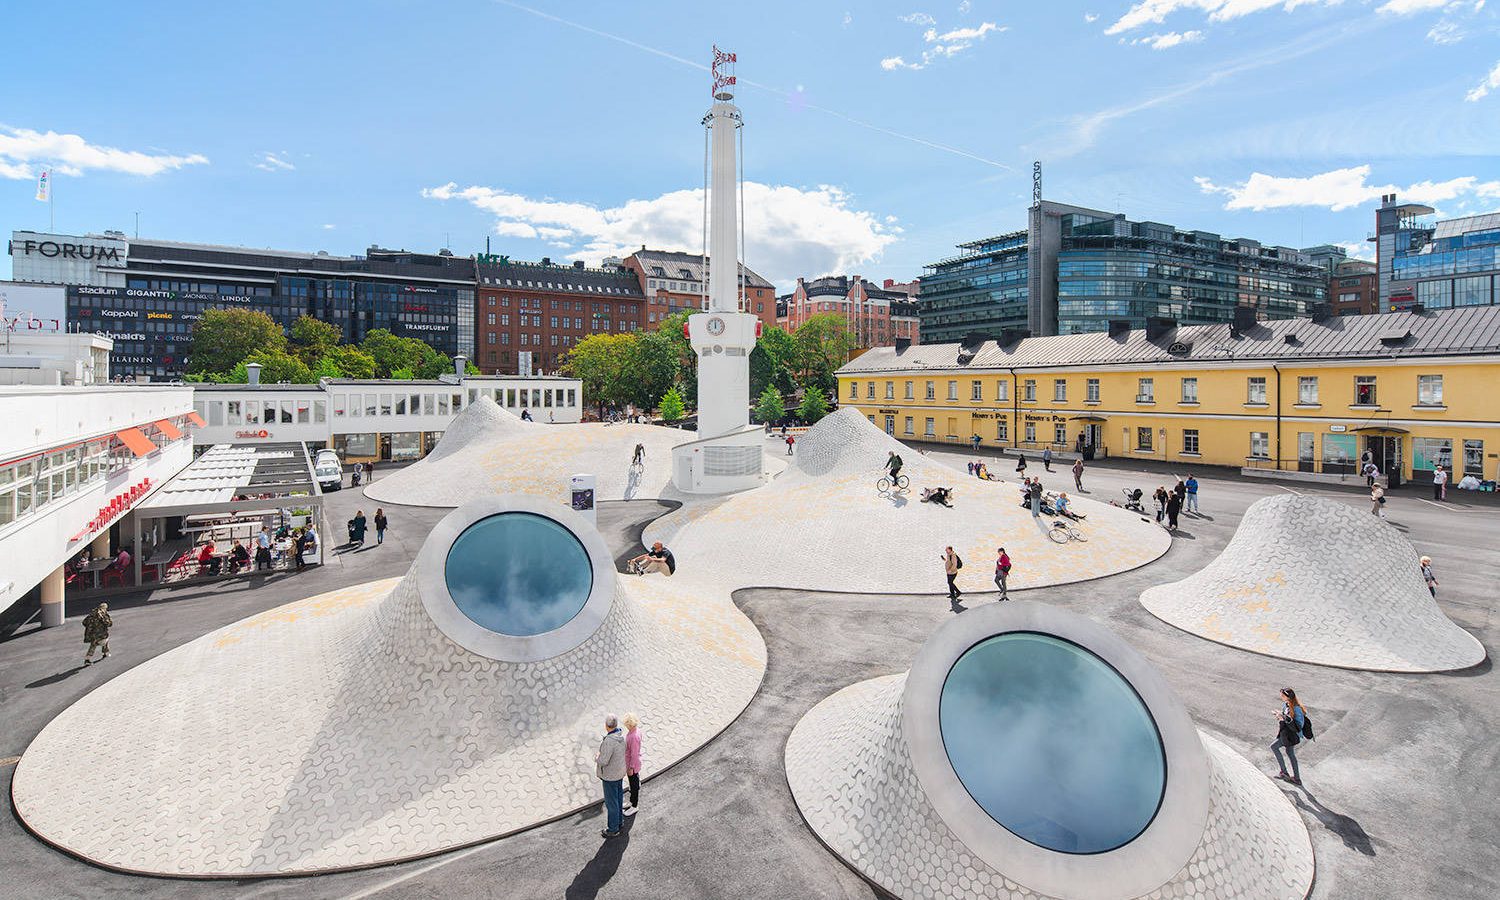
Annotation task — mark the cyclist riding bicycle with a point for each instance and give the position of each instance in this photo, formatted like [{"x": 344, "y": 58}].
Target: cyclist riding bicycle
[{"x": 893, "y": 463}]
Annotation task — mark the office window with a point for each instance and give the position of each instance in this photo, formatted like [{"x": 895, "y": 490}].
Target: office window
[
  {"x": 1430, "y": 390},
  {"x": 1091, "y": 390},
  {"x": 1255, "y": 389},
  {"x": 1002, "y": 390},
  {"x": 853, "y": 390},
  {"x": 1260, "y": 445},
  {"x": 1028, "y": 390},
  {"x": 976, "y": 390},
  {"x": 931, "y": 390},
  {"x": 909, "y": 394},
  {"x": 1145, "y": 390},
  {"x": 1189, "y": 390},
  {"x": 1059, "y": 390},
  {"x": 952, "y": 390},
  {"x": 931, "y": 425},
  {"x": 1002, "y": 429},
  {"x": 1364, "y": 390},
  {"x": 870, "y": 391},
  {"x": 890, "y": 390},
  {"x": 909, "y": 422},
  {"x": 1143, "y": 437},
  {"x": 1190, "y": 440},
  {"x": 1307, "y": 389}
]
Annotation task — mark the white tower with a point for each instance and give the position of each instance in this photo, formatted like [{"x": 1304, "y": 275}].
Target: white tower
[{"x": 727, "y": 454}]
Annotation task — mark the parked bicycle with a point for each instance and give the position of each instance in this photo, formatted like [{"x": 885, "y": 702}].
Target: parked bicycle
[
  {"x": 884, "y": 485},
  {"x": 1063, "y": 531}
]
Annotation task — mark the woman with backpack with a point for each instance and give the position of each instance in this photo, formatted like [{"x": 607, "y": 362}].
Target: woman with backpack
[
  {"x": 1002, "y": 571},
  {"x": 1291, "y": 724}
]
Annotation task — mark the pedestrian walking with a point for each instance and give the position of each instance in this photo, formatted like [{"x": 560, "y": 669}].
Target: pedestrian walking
[
  {"x": 633, "y": 762},
  {"x": 1036, "y": 498},
  {"x": 263, "y": 548},
  {"x": 975, "y": 441},
  {"x": 609, "y": 765},
  {"x": 1192, "y": 494},
  {"x": 790, "y": 440},
  {"x": 1439, "y": 483},
  {"x": 1370, "y": 472},
  {"x": 96, "y": 627},
  {"x": 1174, "y": 506},
  {"x": 1047, "y": 458},
  {"x": 1377, "y": 501},
  {"x": 1160, "y": 496},
  {"x": 357, "y": 528},
  {"x": 369, "y": 473},
  {"x": 1002, "y": 573},
  {"x": 1020, "y": 462},
  {"x": 1428, "y": 577},
  {"x": 1078, "y": 474},
  {"x": 1291, "y": 724},
  {"x": 951, "y": 564},
  {"x": 971, "y": 467},
  {"x": 380, "y": 525}
]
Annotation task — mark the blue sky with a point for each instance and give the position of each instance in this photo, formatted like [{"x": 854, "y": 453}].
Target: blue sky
[{"x": 877, "y": 135}]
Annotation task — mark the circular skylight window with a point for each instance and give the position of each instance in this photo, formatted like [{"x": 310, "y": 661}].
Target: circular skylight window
[
  {"x": 516, "y": 578},
  {"x": 519, "y": 574},
  {"x": 1052, "y": 743}
]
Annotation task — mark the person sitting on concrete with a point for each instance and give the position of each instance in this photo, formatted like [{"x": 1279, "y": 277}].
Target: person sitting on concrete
[
  {"x": 941, "y": 495},
  {"x": 658, "y": 559},
  {"x": 1064, "y": 507}
]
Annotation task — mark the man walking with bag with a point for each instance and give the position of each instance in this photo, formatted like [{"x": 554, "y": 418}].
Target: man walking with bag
[
  {"x": 96, "y": 627},
  {"x": 951, "y": 565}
]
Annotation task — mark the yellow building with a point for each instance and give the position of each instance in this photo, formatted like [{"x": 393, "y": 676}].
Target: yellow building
[{"x": 1414, "y": 389}]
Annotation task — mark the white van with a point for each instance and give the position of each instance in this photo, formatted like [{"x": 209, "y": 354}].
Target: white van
[{"x": 328, "y": 470}]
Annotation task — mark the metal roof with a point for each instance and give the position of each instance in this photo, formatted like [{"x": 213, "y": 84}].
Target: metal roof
[
  {"x": 1456, "y": 227},
  {"x": 606, "y": 283},
  {"x": 673, "y": 263},
  {"x": 1450, "y": 332}
]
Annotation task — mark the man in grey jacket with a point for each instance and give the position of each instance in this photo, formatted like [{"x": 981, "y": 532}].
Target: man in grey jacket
[{"x": 610, "y": 767}]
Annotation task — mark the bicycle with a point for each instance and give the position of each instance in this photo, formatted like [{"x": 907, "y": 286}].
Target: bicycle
[
  {"x": 884, "y": 484},
  {"x": 1061, "y": 532}
]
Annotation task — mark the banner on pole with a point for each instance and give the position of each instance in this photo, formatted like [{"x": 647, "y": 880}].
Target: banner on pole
[{"x": 44, "y": 185}]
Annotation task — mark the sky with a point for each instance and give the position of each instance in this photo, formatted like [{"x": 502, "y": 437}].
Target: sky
[{"x": 877, "y": 135}]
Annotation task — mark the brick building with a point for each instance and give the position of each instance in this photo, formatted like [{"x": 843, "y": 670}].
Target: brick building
[
  {"x": 877, "y": 316},
  {"x": 1353, "y": 284},
  {"x": 672, "y": 282},
  {"x": 531, "y": 314}
]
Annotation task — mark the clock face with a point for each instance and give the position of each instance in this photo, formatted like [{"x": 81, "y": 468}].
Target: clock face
[{"x": 715, "y": 325}]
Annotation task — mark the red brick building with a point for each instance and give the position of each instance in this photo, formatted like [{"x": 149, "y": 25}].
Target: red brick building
[
  {"x": 531, "y": 314},
  {"x": 1352, "y": 289},
  {"x": 672, "y": 282},
  {"x": 877, "y": 316}
]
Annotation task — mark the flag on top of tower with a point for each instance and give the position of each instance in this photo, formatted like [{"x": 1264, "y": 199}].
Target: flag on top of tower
[{"x": 44, "y": 185}]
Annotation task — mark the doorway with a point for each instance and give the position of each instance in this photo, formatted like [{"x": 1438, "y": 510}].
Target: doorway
[
  {"x": 1385, "y": 452},
  {"x": 890, "y": 425}
]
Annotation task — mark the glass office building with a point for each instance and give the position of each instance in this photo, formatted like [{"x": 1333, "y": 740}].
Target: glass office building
[
  {"x": 1078, "y": 270},
  {"x": 1455, "y": 262}
]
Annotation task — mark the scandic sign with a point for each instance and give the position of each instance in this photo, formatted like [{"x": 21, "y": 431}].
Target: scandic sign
[{"x": 65, "y": 251}]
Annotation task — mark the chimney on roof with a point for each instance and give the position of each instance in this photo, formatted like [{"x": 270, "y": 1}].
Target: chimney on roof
[
  {"x": 1244, "y": 319},
  {"x": 460, "y": 365},
  {"x": 546, "y": 260},
  {"x": 577, "y": 263},
  {"x": 1322, "y": 312},
  {"x": 1009, "y": 336},
  {"x": 1156, "y": 326},
  {"x": 902, "y": 343},
  {"x": 1118, "y": 327},
  {"x": 252, "y": 374}
]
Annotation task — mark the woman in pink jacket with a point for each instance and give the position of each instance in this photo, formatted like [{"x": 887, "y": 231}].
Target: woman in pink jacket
[{"x": 633, "y": 762}]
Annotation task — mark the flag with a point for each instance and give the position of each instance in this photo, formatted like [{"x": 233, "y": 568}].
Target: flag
[{"x": 44, "y": 185}]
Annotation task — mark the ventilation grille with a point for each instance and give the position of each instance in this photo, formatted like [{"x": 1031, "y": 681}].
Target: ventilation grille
[{"x": 731, "y": 461}]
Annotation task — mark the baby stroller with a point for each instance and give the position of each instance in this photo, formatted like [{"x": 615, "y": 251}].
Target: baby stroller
[{"x": 1133, "y": 500}]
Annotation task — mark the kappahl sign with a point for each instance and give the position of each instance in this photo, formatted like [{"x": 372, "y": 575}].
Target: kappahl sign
[{"x": 64, "y": 250}]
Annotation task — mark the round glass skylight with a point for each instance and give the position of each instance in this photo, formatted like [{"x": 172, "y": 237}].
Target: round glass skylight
[
  {"x": 518, "y": 574},
  {"x": 1052, "y": 743}
]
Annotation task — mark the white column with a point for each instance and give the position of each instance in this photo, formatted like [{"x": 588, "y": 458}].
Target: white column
[
  {"x": 723, "y": 249},
  {"x": 53, "y": 611}
]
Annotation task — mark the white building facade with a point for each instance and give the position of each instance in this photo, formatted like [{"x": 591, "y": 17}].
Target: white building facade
[
  {"x": 54, "y": 358},
  {"x": 73, "y": 464}
]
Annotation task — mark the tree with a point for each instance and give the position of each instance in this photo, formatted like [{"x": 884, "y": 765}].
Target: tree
[
  {"x": 313, "y": 338},
  {"x": 670, "y": 329},
  {"x": 403, "y": 374},
  {"x": 814, "y": 406},
  {"x": 823, "y": 344},
  {"x": 772, "y": 360},
  {"x": 770, "y": 407},
  {"x": 600, "y": 362},
  {"x": 275, "y": 366},
  {"x": 671, "y": 407},
  {"x": 347, "y": 361},
  {"x": 225, "y": 337},
  {"x": 651, "y": 368},
  {"x": 326, "y": 368}
]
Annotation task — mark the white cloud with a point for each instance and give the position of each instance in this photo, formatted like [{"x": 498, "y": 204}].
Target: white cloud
[
  {"x": 1364, "y": 250},
  {"x": 896, "y": 62},
  {"x": 273, "y": 162},
  {"x": 964, "y": 7},
  {"x": 1170, "y": 39},
  {"x": 789, "y": 231},
  {"x": 1339, "y": 189},
  {"x": 964, "y": 34},
  {"x": 1489, "y": 83},
  {"x": 942, "y": 46},
  {"x": 1446, "y": 32},
  {"x": 1154, "y": 12},
  {"x": 848, "y": 18},
  {"x": 918, "y": 18},
  {"x": 1090, "y": 17},
  {"x": 70, "y": 154},
  {"x": 1407, "y": 7},
  {"x": 329, "y": 227}
]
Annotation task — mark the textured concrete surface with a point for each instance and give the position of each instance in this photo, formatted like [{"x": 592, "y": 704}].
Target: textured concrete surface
[
  {"x": 1314, "y": 580},
  {"x": 822, "y": 525},
  {"x": 1399, "y": 792}
]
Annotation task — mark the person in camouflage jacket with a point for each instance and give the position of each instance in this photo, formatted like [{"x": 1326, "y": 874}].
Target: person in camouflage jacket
[{"x": 96, "y": 627}]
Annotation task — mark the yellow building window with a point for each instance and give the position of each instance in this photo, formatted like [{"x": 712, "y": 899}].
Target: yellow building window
[
  {"x": 1059, "y": 390},
  {"x": 1028, "y": 390},
  {"x": 976, "y": 390},
  {"x": 909, "y": 394},
  {"x": 931, "y": 390}
]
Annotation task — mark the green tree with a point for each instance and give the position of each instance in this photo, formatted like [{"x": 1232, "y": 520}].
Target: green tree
[
  {"x": 313, "y": 338},
  {"x": 225, "y": 337},
  {"x": 671, "y": 407},
  {"x": 770, "y": 407},
  {"x": 670, "y": 329},
  {"x": 652, "y": 363},
  {"x": 403, "y": 374},
  {"x": 823, "y": 344},
  {"x": 275, "y": 366},
  {"x": 600, "y": 362},
  {"x": 772, "y": 361},
  {"x": 348, "y": 361},
  {"x": 326, "y": 368},
  {"x": 470, "y": 368},
  {"x": 814, "y": 406}
]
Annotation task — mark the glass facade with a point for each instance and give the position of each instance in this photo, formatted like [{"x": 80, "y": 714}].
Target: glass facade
[
  {"x": 518, "y": 574},
  {"x": 1052, "y": 743},
  {"x": 983, "y": 290},
  {"x": 1455, "y": 263}
]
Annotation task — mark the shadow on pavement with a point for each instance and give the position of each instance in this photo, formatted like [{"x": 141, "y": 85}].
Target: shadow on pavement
[
  {"x": 1349, "y": 831},
  {"x": 599, "y": 870},
  {"x": 54, "y": 679}
]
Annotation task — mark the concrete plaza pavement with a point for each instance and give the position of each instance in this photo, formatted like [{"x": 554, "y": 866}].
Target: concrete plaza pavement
[{"x": 1401, "y": 784}]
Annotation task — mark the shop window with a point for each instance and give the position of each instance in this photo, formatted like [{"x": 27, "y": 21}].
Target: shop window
[
  {"x": 1002, "y": 429},
  {"x": 1190, "y": 441},
  {"x": 1474, "y": 458},
  {"x": 1427, "y": 453},
  {"x": 1260, "y": 445},
  {"x": 1028, "y": 433},
  {"x": 1059, "y": 434},
  {"x": 1143, "y": 438}
]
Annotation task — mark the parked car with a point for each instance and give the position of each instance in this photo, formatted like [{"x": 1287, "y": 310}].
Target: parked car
[{"x": 328, "y": 470}]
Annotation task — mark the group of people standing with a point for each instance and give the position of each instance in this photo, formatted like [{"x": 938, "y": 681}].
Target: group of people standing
[
  {"x": 617, "y": 764},
  {"x": 1183, "y": 497},
  {"x": 359, "y": 526}
]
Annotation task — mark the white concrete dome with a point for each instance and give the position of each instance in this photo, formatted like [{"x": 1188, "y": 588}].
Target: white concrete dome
[
  {"x": 357, "y": 728},
  {"x": 1291, "y": 584},
  {"x": 889, "y": 782}
]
